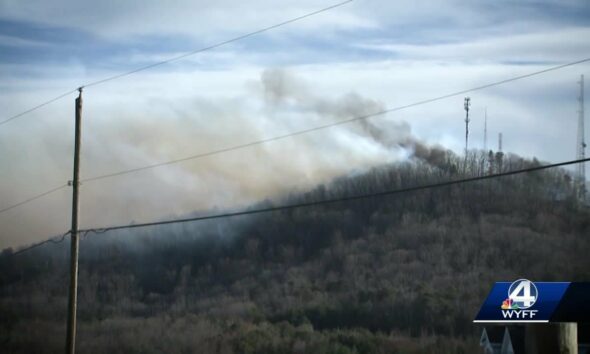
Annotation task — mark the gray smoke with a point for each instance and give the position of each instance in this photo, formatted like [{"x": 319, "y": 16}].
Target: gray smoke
[
  {"x": 281, "y": 88},
  {"x": 122, "y": 136}
]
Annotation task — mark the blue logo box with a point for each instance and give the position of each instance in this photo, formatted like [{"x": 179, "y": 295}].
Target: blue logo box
[{"x": 545, "y": 302}]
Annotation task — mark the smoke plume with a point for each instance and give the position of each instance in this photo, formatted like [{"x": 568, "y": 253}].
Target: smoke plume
[{"x": 118, "y": 137}]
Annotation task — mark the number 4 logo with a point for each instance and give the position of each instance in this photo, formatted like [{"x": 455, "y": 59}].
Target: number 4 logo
[{"x": 523, "y": 293}]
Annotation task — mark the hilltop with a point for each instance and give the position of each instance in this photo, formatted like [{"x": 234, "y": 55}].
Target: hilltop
[{"x": 402, "y": 273}]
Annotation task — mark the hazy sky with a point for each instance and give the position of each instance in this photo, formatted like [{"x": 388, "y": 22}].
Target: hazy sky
[{"x": 356, "y": 59}]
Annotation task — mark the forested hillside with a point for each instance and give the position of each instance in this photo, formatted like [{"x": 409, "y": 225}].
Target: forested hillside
[{"x": 404, "y": 273}]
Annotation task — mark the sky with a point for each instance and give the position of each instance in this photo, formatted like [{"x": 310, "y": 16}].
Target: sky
[{"x": 353, "y": 60}]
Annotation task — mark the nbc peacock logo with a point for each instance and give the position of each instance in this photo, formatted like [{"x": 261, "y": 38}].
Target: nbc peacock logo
[{"x": 508, "y": 304}]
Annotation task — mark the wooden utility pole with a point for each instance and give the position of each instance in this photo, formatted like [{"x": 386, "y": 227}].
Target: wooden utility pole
[
  {"x": 552, "y": 338},
  {"x": 568, "y": 338},
  {"x": 73, "y": 294}
]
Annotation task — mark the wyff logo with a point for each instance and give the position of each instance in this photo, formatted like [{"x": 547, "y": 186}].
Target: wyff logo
[
  {"x": 522, "y": 294},
  {"x": 525, "y": 301}
]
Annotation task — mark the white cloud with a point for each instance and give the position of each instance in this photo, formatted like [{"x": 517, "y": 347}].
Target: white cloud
[
  {"x": 560, "y": 45},
  {"x": 197, "y": 19},
  {"x": 12, "y": 41}
]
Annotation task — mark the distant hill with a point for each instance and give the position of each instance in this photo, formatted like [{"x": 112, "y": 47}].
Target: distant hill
[{"x": 404, "y": 273}]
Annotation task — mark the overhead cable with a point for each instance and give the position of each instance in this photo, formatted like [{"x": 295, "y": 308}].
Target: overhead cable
[{"x": 200, "y": 50}]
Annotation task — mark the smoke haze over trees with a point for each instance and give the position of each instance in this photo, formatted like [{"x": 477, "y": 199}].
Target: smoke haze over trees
[
  {"x": 278, "y": 103},
  {"x": 404, "y": 273}
]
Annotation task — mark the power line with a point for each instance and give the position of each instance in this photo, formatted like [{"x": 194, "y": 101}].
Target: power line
[
  {"x": 114, "y": 77},
  {"x": 337, "y": 200},
  {"x": 33, "y": 198},
  {"x": 37, "y": 107},
  {"x": 85, "y": 232},
  {"x": 143, "y": 68},
  {"x": 57, "y": 239},
  {"x": 325, "y": 126}
]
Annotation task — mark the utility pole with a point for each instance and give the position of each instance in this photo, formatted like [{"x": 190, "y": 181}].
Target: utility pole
[
  {"x": 567, "y": 338},
  {"x": 551, "y": 338},
  {"x": 75, "y": 183}
]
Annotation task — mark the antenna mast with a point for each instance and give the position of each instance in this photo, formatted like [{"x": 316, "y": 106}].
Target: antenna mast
[
  {"x": 485, "y": 131},
  {"x": 467, "y": 104},
  {"x": 499, "y": 154},
  {"x": 581, "y": 147}
]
